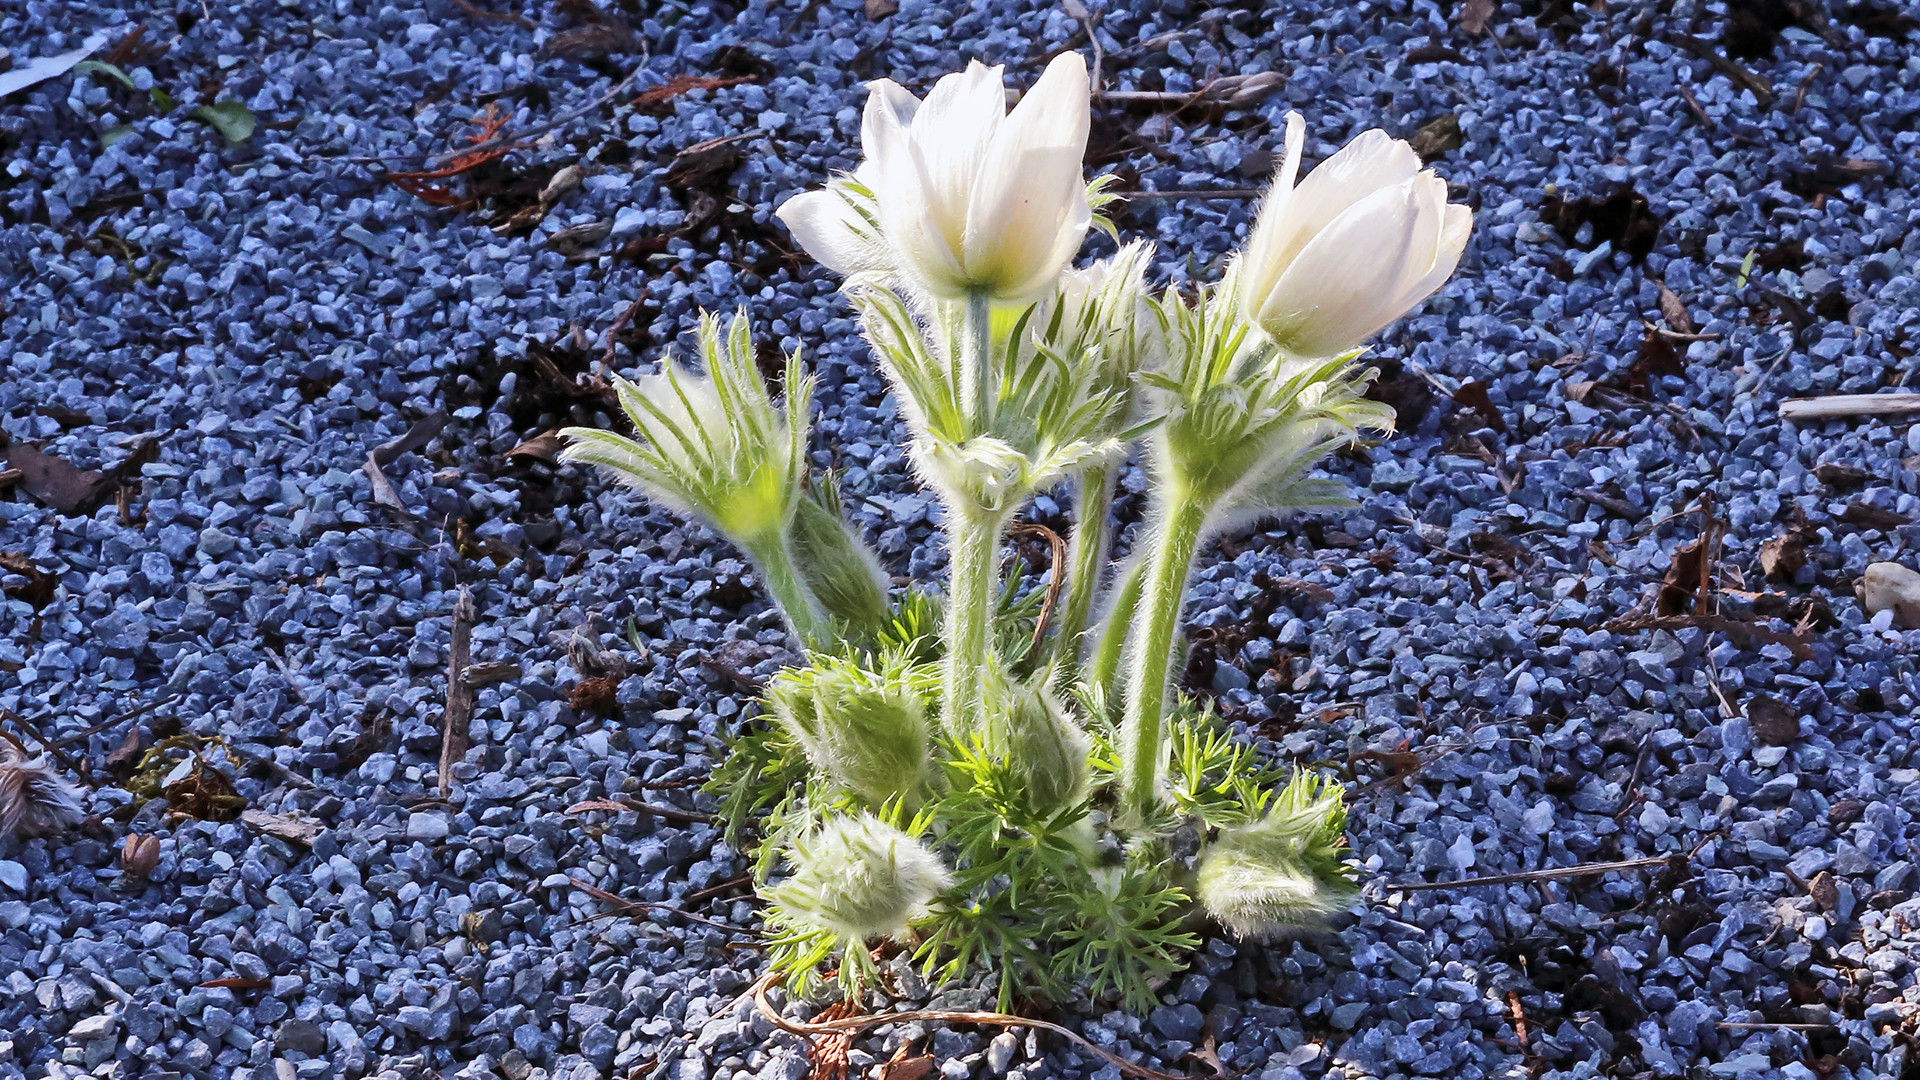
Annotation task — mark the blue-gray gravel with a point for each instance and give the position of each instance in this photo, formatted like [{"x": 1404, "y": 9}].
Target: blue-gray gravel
[{"x": 272, "y": 311}]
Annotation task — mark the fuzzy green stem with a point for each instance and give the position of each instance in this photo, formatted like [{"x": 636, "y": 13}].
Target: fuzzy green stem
[
  {"x": 789, "y": 591},
  {"x": 1150, "y": 647},
  {"x": 1103, "y": 666},
  {"x": 1086, "y": 558},
  {"x": 978, "y": 389},
  {"x": 973, "y": 575}
]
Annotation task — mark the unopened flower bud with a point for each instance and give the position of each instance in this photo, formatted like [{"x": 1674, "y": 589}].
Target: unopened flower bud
[
  {"x": 838, "y": 567},
  {"x": 860, "y": 878},
  {"x": 34, "y": 799},
  {"x": 866, "y": 731},
  {"x": 1042, "y": 744},
  {"x": 1281, "y": 872}
]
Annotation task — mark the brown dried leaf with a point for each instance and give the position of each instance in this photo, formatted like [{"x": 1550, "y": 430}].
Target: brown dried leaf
[
  {"x": 1657, "y": 357},
  {"x": 1673, "y": 310},
  {"x": 234, "y": 983},
  {"x": 1784, "y": 555},
  {"x": 53, "y": 481},
  {"x": 1208, "y": 1054},
  {"x": 1436, "y": 137},
  {"x": 291, "y": 829},
  {"x": 374, "y": 729},
  {"x": 1682, "y": 580},
  {"x": 704, "y": 162},
  {"x": 542, "y": 447},
  {"x": 39, "y": 587},
  {"x": 580, "y": 241},
  {"x": 913, "y": 1068},
  {"x": 1868, "y": 516},
  {"x": 1473, "y": 395},
  {"x": 120, "y": 762},
  {"x": 880, "y": 9},
  {"x": 1842, "y": 477},
  {"x": 1474, "y": 15},
  {"x": 1774, "y": 722},
  {"x": 604, "y": 805},
  {"x": 598, "y": 39}
]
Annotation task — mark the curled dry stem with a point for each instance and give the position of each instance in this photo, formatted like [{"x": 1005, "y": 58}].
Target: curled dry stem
[{"x": 851, "y": 1024}]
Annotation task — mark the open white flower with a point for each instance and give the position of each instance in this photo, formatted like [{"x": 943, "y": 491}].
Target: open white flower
[
  {"x": 1357, "y": 244},
  {"x": 956, "y": 193}
]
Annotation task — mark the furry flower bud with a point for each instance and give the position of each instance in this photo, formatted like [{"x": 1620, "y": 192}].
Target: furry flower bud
[
  {"x": 713, "y": 446},
  {"x": 1356, "y": 245},
  {"x": 866, "y": 731},
  {"x": 1283, "y": 871},
  {"x": 860, "y": 878},
  {"x": 34, "y": 799},
  {"x": 838, "y": 567},
  {"x": 1040, "y": 742}
]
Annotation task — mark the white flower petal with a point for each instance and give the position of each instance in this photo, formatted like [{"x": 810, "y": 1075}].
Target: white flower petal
[
  {"x": 1456, "y": 224},
  {"x": 1342, "y": 286},
  {"x": 895, "y": 174},
  {"x": 1028, "y": 214},
  {"x": 1369, "y": 163},
  {"x": 826, "y": 227},
  {"x": 894, "y": 98},
  {"x": 951, "y": 135},
  {"x": 1261, "y": 264}
]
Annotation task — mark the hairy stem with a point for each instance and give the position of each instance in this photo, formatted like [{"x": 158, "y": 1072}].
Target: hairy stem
[
  {"x": 973, "y": 576},
  {"x": 1150, "y": 647},
  {"x": 789, "y": 592},
  {"x": 1086, "y": 558},
  {"x": 977, "y": 390},
  {"x": 1103, "y": 665}
]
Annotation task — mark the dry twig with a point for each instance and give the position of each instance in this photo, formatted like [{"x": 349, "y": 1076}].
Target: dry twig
[
  {"x": 459, "y": 710},
  {"x": 1550, "y": 874},
  {"x": 624, "y": 906}
]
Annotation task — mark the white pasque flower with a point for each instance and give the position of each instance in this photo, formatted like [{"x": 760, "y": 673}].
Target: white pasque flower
[
  {"x": 956, "y": 193},
  {"x": 1366, "y": 236}
]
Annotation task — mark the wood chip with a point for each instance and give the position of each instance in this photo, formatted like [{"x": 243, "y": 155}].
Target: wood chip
[
  {"x": 1839, "y": 406},
  {"x": 1826, "y": 894},
  {"x": 1774, "y": 722},
  {"x": 459, "y": 710},
  {"x": 499, "y": 671},
  {"x": 291, "y": 829}
]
